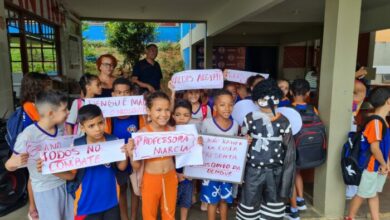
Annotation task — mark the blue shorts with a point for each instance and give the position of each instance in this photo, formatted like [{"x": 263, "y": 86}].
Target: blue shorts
[
  {"x": 213, "y": 192},
  {"x": 184, "y": 194}
]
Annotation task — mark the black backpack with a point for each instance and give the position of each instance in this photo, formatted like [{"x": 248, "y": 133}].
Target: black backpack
[
  {"x": 73, "y": 185},
  {"x": 310, "y": 141},
  {"x": 356, "y": 153}
]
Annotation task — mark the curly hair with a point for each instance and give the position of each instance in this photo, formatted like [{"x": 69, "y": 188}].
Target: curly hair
[
  {"x": 113, "y": 60},
  {"x": 32, "y": 84},
  {"x": 267, "y": 87}
]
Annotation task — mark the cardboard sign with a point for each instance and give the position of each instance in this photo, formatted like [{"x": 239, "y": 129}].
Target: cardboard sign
[
  {"x": 120, "y": 106},
  {"x": 162, "y": 144},
  {"x": 34, "y": 148},
  {"x": 198, "y": 79},
  {"x": 76, "y": 157},
  {"x": 224, "y": 159},
  {"x": 195, "y": 156},
  {"x": 242, "y": 76}
]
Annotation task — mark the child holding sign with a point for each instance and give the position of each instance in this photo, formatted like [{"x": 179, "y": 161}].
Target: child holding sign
[
  {"x": 122, "y": 127},
  {"x": 95, "y": 188},
  {"x": 214, "y": 192},
  {"x": 90, "y": 87},
  {"x": 50, "y": 193},
  {"x": 159, "y": 184},
  {"x": 270, "y": 167}
]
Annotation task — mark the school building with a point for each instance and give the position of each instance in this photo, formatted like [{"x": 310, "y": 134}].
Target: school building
[{"x": 280, "y": 37}]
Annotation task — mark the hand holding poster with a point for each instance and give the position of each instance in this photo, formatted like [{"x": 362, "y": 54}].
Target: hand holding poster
[
  {"x": 76, "y": 157},
  {"x": 242, "y": 76},
  {"x": 120, "y": 106},
  {"x": 162, "y": 144},
  {"x": 195, "y": 156},
  {"x": 197, "y": 79},
  {"x": 33, "y": 148},
  {"x": 224, "y": 159}
]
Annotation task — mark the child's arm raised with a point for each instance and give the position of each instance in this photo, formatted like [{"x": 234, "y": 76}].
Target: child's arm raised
[
  {"x": 173, "y": 94},
  {"x": 377, "y": 153}
]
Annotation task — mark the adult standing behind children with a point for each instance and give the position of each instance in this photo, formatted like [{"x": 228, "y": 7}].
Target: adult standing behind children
[
  {"x": 106, "y": 64},
  {"x": 147, "y": 72}
]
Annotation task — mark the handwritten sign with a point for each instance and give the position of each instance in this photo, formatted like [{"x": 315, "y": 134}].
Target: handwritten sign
[
  {"x": 223, "y": 157},
  {"x": 242, "y": 76},
  {"x": 76, "y": 157},
  {"x": 195, "y": 156},
  {"x": 120, "y": 106},
  {"x": 198, "y": 79},
  {"x": 33, "y": 148},
  {"x": 162, "y": 144}
]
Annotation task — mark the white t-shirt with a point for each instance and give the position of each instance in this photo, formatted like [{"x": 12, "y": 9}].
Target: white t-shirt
[
  {"x": 210, "y": 126},
  {"x": 197, "y": 117},
  {"x": 73, "y": 113},
  {"x": 39, "y": 182}
]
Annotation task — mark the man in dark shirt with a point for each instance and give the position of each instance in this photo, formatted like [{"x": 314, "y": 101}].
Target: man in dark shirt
[{"x": 147, "y": 72}]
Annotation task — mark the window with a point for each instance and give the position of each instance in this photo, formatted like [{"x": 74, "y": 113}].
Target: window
[{"x": 32, "y": 44}]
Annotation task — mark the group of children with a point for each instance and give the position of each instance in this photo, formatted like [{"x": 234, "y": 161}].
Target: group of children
[{"x": 271, "y": 179}]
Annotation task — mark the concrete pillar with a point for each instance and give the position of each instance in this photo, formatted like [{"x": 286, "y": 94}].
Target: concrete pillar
[
  {"x": 208, "y": 52},
  {"x": 339, "y": 51},
  {"x": 6, "y": 96}
]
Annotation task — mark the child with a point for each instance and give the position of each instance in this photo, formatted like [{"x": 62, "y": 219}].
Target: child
[
  {"x": 96, "y": 197},
  {"x": 231, "y": 87},
  {"x": 300, "y": 89},
  {"x": 270, "y": 165},
  {"x": 32, "y": 84},
  {"x": 182, "y": 116},
  {"x": 51, "y": 199},
  {"x": 213, "y": 192},
  {"x": 159, "y": 184},
  {"x": 375, "y": 173},
  {"x": 284, "y": 85},
  {"x": 90, "y": 87},
  {"x": 252, "y": 81},
  {"x": 122, "y": 127}
]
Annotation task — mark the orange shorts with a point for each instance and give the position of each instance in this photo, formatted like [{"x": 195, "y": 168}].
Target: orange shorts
[{"x": 159, "y": 190}]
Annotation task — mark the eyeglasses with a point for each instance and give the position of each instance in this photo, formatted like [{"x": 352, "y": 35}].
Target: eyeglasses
[{"x": 107, "y": 65}]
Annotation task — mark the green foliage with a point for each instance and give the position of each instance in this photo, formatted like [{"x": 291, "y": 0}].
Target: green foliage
[{"x": 130, "y": 38}]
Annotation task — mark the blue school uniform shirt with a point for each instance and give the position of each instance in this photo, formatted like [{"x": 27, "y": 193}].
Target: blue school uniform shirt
[{"x": 98, "y": 191}]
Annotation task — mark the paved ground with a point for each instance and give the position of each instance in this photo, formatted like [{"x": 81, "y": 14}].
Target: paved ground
[{"x": 196, "y": 214}]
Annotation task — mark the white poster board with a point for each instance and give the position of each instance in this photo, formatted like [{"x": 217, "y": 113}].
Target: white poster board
[
  {"x": 224, "y": 159},
  {"x": 198, "y": 79},
  {"x": 195, "y": 156},
  {"x": 76, "y": 157},
  {"x": 240, "y": 76},
  {"x": 34, "y": 148},
  {"x": 120, "y": 106},
  {"x": 162, "y": 144}
]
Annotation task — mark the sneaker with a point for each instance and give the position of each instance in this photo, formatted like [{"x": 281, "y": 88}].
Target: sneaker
[
  {"x": 293, "y": 216},
  {"x": 301, "y": 205}
]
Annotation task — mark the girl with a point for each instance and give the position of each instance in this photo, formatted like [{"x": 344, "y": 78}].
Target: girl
[
  {"x": 213, "y": 192},
  {"x": 159, "y": 184},
  {"x": 90, "y": 87},
  {"x": 284, "y": 85}
]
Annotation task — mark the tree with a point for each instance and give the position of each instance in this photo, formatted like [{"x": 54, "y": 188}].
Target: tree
[{"x": 130, "y": 38}]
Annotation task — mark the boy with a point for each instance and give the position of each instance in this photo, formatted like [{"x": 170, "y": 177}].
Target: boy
[
  {"x": 49, "y": 191},
  {"x": 270, "y": 166},
  {"x": 96, "y": 195},
  {"x": 214, "y": 192},
  {"x": 123, "y": 127},
  {"x": 375, "y": 173}
]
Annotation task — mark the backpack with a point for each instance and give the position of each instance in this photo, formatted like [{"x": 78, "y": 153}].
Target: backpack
[
  {"x": 14, "y": 127},
  {"x": 73, "y": 185},
  {"x": 76, "y": 126},
  {"x": 310, "y": 141},
  {"x": 204, "y": 111},
  {"x": 356, "y": 154}
]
